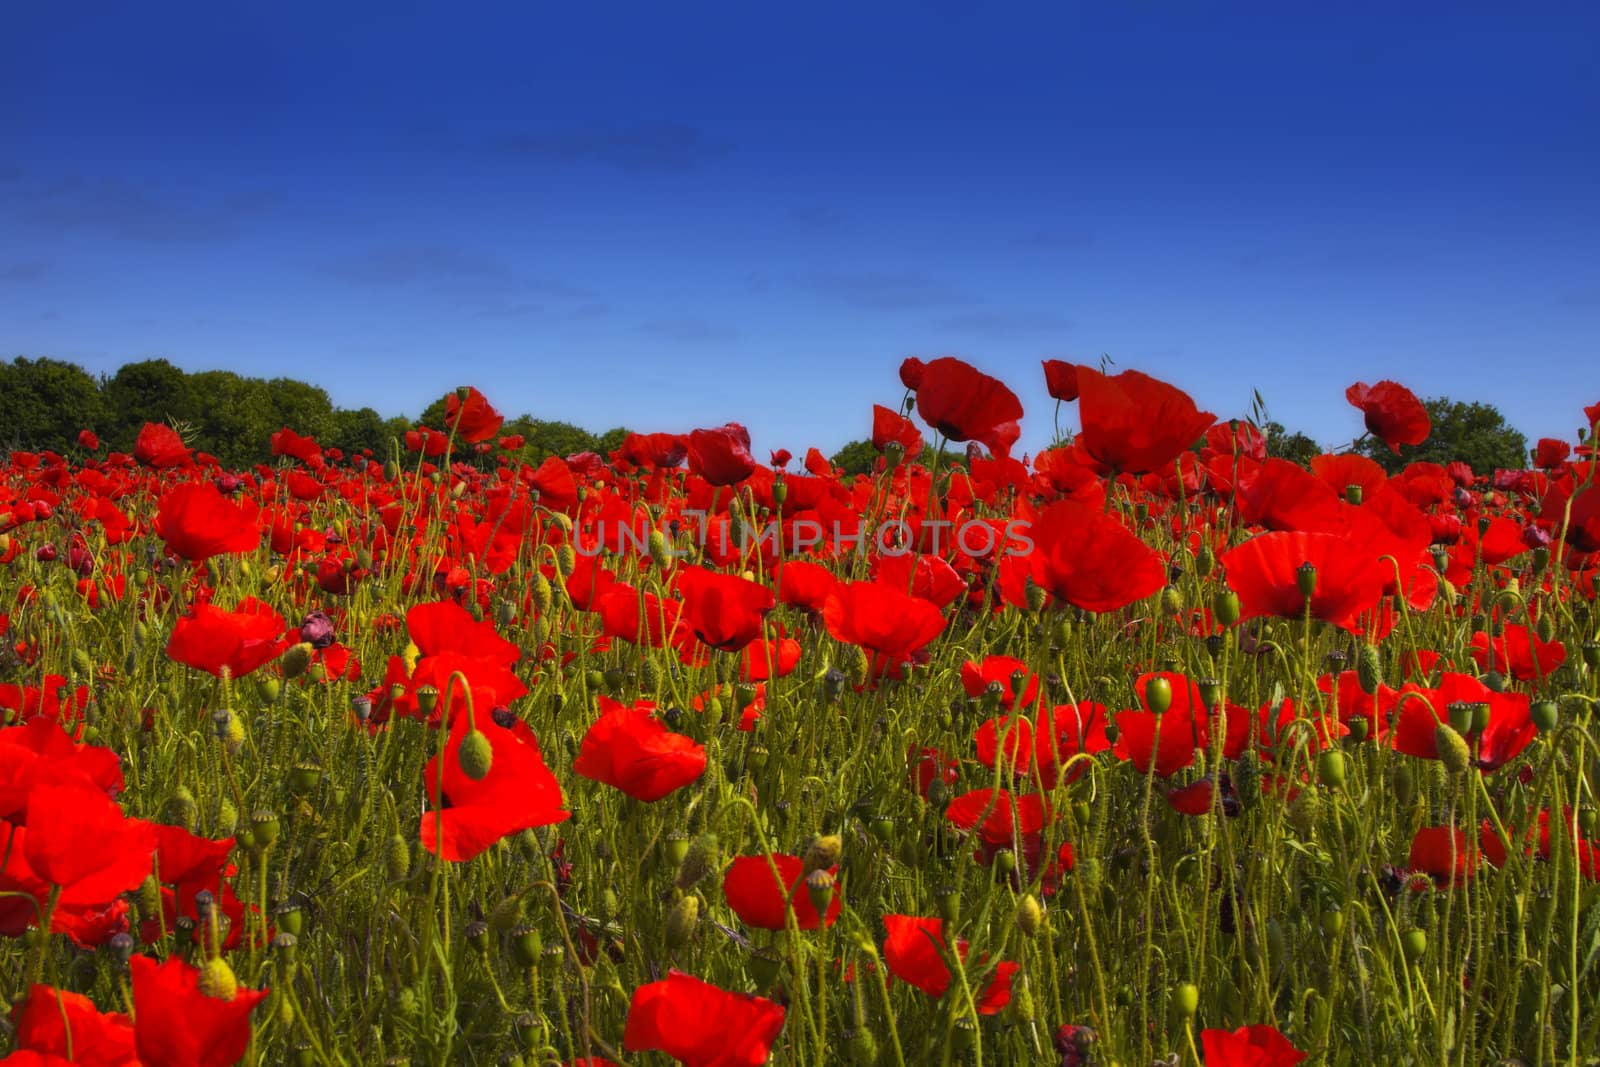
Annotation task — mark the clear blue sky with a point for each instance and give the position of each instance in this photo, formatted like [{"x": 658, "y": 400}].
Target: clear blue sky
[{"x": 675, "y": 215}]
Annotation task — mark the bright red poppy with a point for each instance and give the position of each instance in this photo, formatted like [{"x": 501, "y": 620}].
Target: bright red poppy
[
  {"x": 1445, "y": 854},
  {"x": 55, "y": 1022},
  {"x": 1260, "y": 1045},
  {"x": 1517, "y": 651},
  {"x": 914, "y": 949},
  {"x": 724, "y": 611},
  {"x": 763, "y": 901},
  {"x": 964, "y": 404},
  {"x": 1393, "y": 413},
  {"x": 1266, "y": 572},
  {"x": 213, "y": 640},
  {"x": 628, "y": 749},
  {"x": 518, "y": 793},
  {"x": 1090, "y": 560},
  {"x": 1133, "y": 423},
  {"x": 198, "y": 522},
  {"x": 79, "y": 841},
  {"x": 886, "y": 622},
  {"x": 159, "y": 446},
  {"x": 472, "y": 418},
  {"x": 701, "y": 1025},
  {"x": 1061, "y": 379},
  {"x": 722, "y": 455},
  {"x": 177, "y": 1025}
]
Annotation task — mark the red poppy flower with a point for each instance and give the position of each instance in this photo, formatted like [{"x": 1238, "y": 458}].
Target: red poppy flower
[
  {"x": 725, "y": 611},
  {"x": 1265, "y": 572},
  {"x": 770, "y": 659},
  {"x": 965, "y": 404},
  {"x": 1072, "y": 728},
  {"x": 79, "y": 840},
  {"x": 1550, "y": 453},
  {"x": 889, "y": 426},
  {"x": 1183, "y": 728},
  {"x": 1061, "y": 379},
  {"x": 1517, "y": 651},
  {"x": 700, "y": 1025},
  {"x": 1249, "y": 1046},
  {"x": 213, "y": 640},
  {"x": 628, "y": 749},
  {"x": 288, "y": 443},
  {"x": 721, "y": 456},
  {"x": 1014, "y": 735},
  {"x": 1002, "y": 819},
  {"x": 518, "y": 793},
  {"x": 1394, "y": 414},
  {"x": 160, "y": 446},
  {"x": 1090, "y": 560},
  {"x": 88, "y": 440},
  {"x": 48, "y": 1016},
  {"x": 1510, "y": 728},
  {"x": 198, "y": 522},
  {"x": 911, "y": 371},
  {"x": 763, "y": 901},
  {"x": 1133, "y": 423},
  {"x": 40, "y": 751},
  {"x": 177, "y": 1025},
  {"x": 1445, "y": 854},
  {"x": 1343, "y": 469},
  {"x": 882, "y": 620},
  {"x": 472, "y": 418},
  {"x": 915, "y": 950}
]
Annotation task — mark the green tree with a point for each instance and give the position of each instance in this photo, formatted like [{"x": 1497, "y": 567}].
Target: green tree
[
  {"x": 1474, "y": 433},
  {"x": 45, "y": 402},
  {"x": 857, "y": 457},
  {"x": 151, "y": 390},
  {"x": 1295, "y": 447}
]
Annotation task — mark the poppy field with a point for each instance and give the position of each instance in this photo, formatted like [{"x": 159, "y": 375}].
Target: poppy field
[{"x": 1144, "y": 749}]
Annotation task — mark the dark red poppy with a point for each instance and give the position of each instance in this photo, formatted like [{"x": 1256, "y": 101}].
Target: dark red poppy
[
  {"x": 1001, "y": 818},
  {"x": 911, "y": 371},
  {"x": 518, "y": 793},
  {"x": 1394, "y": 414},
  {"x": 178, "y": 1025},
  {"x": 725, "y": 611},
  {"x": 1266, "y": 573},
  {"x": 472, "y": 418},
  {"x": 700, "y": 1025},
  {"x": 628, "y": 749},
  {"x": 721, "y": 456},
  {"x": 197, "y": 522},
  {"x": 915, "y": 950},
  {"x": 159, "y": 446},
  {"x": 1133, "y": 423},
  {"x": 1517, "y": 651},
  {"x": 1445, "y": 854},
  {"x": 1550, "y": 453},
  {"x": 764, "y": 901},
  {"x": 88, "y": 440},
  {"x": 964, "y": 404},
  {"x": 891, "y": 624},
  {"x": 890, "y": 426},
  {"x": 213, "y": 640},
  {"x": 1260, "y": 1045},
  {"x": 1061, "y": 379}
]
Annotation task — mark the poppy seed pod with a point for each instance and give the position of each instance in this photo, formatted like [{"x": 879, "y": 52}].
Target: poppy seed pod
[
  {"x": 1369, "y": 669},
  {"x": 427, "y": 699},
  {"x": 682, "y": 921},
  {"x": 1305, "y": 579},
  {"x": 1158, "y": 695},
  {"x": 1186, "y": 1000},
  {"x": 820, "y": 887},
  {"x": 1353, "y": 494},
  {"x": 699, "y": 860},
  {"x": 1225, "y": 607}
]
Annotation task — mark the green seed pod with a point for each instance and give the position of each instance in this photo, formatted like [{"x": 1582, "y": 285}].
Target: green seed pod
[
  {"x": 1545, "y": 714},
  {"x": 699, "y": 861},
  {"x": 181, "y": 809},
  {"x": 820, "y": 888},
  {"x": 1186, "y": 1000},
  {"x": 863, "y": 1047},
  {"x": 1171, "y": 601},
  {"x": 1332, "y": 920},
  {"x": 296, "y": 659},
  {"x": 682, "y": 921},
  {"x": 1225, "y": 607},
  {"x": 475, "y": 755},
  {"x": 1452, "y": 749},
  {"x": 227, "y": 818},
  {"x": 264, "y": 827},
  {"x": 1205, "y": 560},
  {"x": 675, "y": 847},
  {"x": 526, "y": 946},
  {"x": 1158, "y": 695}
]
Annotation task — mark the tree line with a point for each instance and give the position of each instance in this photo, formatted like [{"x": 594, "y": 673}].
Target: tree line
[{"x": 45, "y": 402}]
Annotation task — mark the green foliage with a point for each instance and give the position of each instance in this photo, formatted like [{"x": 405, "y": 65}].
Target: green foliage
[
  {"x": 857, "y": 457},
  {"x": 1474, "y": 433},
  {"x": 1295, "y": 447},
  {"x": 45, "y": 402}
]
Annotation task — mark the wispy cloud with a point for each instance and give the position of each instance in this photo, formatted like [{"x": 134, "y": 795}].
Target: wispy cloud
[
  {"x": 133, "y": 211},
  {"x": 481, "y": 284}
]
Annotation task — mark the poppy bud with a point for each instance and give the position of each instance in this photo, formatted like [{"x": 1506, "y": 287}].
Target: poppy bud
[
  {"x": 819, "y": 886},
  {"x": 1158, "y": 695},
  {"x": 823, "y": 852},
  {"x": 475, "y": 755},
  {"x": 1225, "y": 607},
  {"x": 658, "y": 550},
  {"x": 1414, "y": 943},
  {"x": 682, "y": 921},
  {"x": 863, "y": 1047},
  {"x": 181, "y": 809},
  {"x": 1589, "y": 821},
  {"x": 150, "y": 897},
  {"x": 227, "y": 818},
  {"x": 1591, "y": 654},
  {"x": 699, "y": 860},
  {"x": 1304, "y": 811},
  {"x": 1305, "y": 579},
  {"x": 1035, "y": 596},
  {"x": 948, "y": 899},
  {"x": 1171, "y": 601},
  {"x": 1205, "y": 561},
  {"x": 1452, "y": 749},
  {"x": 1186, "y": 1000},
  {"x": 1030, "y": 917},
  {"x": 1369, "y": 669},
  {"x": 1330, "y": 768},
  {"x": 1332, "y": 920},
  {"x": 296, "y": 659},
  {"x": 397, "y": 858},
  {"x": 566, "y": 559},
  {"x": 217, "y": 980}
]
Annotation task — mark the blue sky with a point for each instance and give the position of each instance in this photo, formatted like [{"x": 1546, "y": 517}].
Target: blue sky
[{"x": 675, "y": 215}]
